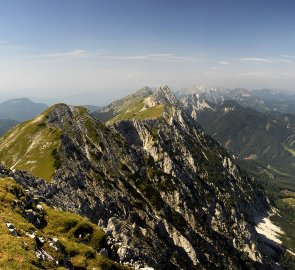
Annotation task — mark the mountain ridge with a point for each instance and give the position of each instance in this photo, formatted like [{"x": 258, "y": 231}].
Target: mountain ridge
[
  {"x": 20, "y": 109},
  {"x": 263, "y": 100},
  {"x": 158, "y": 178}
]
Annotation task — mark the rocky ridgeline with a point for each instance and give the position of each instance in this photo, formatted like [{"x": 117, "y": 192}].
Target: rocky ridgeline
[{"x": 167, "y": 195}]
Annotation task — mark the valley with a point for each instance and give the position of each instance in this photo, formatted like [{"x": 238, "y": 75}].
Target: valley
[{"x": 263, "y": 143}]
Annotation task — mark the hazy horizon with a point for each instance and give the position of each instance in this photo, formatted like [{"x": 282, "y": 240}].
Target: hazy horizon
[
  {"x": 98, "y": 99},
  {"x": 107, "y": 49}
]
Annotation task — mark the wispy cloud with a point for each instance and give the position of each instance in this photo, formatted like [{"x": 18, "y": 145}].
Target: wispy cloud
[
  {"x": 262, "y": 60},
  {"x": 224, "y": 63},
  {"x": 284, "y": 60},
  {"x": 256, "y": 60},
  {"x": 287, "y": 56},
  {"x": 161, "y": 57},
  {"x": 68, "y": 54}
]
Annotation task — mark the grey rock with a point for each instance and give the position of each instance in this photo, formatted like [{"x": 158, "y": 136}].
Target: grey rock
[
  {"x": 167, "y": 195},
  {"x": 43, "y": 255}
]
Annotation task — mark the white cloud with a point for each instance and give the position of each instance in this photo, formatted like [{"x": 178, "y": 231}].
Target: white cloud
[
  {"x": 68, "y": 54},
  {"x": 161, "y": 57},
  {"x": 104, "y": 54},
  {"x": 287, "y": 56},
  {"x": 224, "y": 63},
  {"x": 274, "y": 60},
  {"x": 284, "y": 60},
  {"x": 256, "y": 60}
]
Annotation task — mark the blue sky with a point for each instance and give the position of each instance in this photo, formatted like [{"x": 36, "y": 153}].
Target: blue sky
[{"x": 101, "y": 49}]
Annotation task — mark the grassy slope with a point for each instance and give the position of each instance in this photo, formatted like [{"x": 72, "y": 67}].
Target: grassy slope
[
  {"x": 137, "y": 111},
  {"x": 30, "y": 146},
  {"x": 13, "y": 254},
  {"x": 18, "y": 252},
  {"x": 122, "y": 105}
]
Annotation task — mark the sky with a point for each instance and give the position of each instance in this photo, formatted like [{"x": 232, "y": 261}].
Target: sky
[{"x": 92, "y": 51}]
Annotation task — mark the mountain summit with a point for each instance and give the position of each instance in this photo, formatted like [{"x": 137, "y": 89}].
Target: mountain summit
[
  {"x": 20, "y": 109},
  {"x": 150, "y": 178}
]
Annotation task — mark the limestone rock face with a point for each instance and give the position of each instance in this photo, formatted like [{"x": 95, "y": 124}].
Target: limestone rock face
[{"x": 167, "y": 195}]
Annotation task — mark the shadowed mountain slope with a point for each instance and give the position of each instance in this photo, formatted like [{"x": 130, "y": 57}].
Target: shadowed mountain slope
[{"x": 152, "y": 181}]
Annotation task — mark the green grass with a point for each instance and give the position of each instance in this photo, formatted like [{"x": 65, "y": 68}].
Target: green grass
[
  {"x": 30, "y": 146},
  {"x": 288, "y": 193},
  {"x": 290, "y": 201},
  {"x": 153, "y": 112},
  {"x": 72, "y": 227},
  {"x": 79, "y": 238},
  {"x": 137, "y": 111},
  {"x": 13, "y": 254}
]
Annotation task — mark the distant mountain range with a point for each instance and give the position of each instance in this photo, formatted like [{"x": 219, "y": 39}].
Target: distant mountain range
[
  {"x": 6, "y": 124},
  {"x": 254, "y": 133},
  {"x": 15, "y": 111},
  {"x": 264, "y": 100},
  {"x": 147, "y": 171},
  {"x": 20, "y": 109}
]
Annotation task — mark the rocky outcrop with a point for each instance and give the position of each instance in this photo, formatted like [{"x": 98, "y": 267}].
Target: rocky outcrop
[{"x": 167, "y": 195}]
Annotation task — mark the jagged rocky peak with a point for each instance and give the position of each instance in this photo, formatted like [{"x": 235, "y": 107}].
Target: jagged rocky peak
[
  {"x": 47, "y": 136},
  {"x": 58, "y": 113},
  {"x": 145, "y": 104},
  {"x": 211, "y": 93},
  {"x": 150, "y": 178},
  {"x": 62, "y": 115},
  {"x": 239, "y": 93},
  {"x": 208, "y": 92},
  {"x": 121, "y": 105},
  {"x": 164, "y": 95},
  {"x": 195, "y": 103}
]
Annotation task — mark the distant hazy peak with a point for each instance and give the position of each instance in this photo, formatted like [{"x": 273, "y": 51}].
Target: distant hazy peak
[
  {"x": 19, "y": 100},
  {"x": 15, "y": 100},
  {"x": 20, "y": 109},
  {"x": 208, "y": 88}
]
